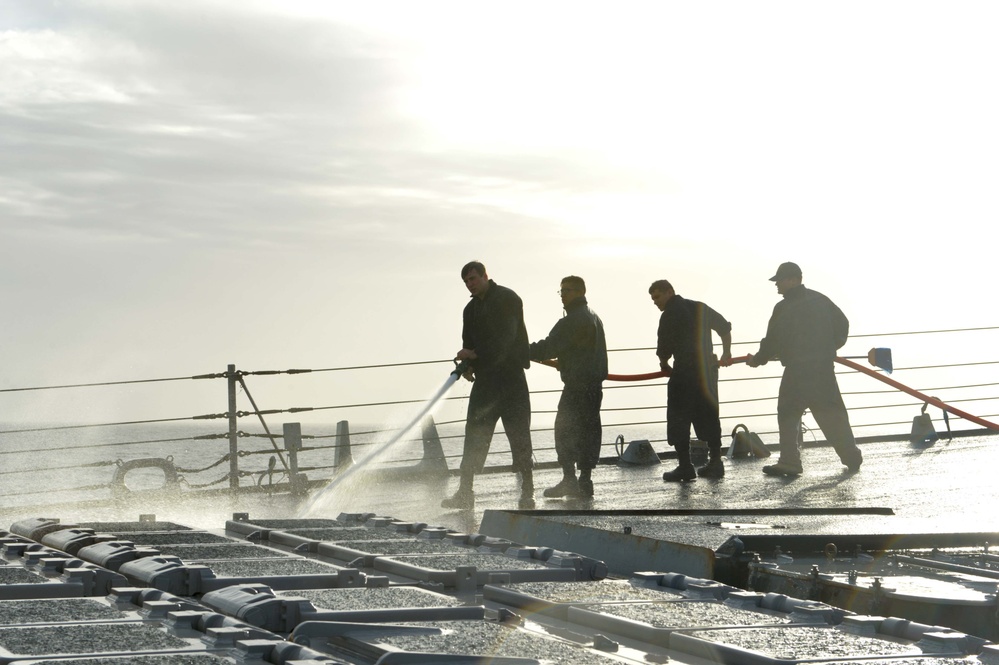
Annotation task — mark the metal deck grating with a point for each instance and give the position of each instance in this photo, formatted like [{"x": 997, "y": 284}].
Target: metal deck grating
[{"x": 481, "y": 601}]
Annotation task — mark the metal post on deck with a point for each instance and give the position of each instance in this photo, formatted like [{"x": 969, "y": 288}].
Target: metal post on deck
[
  {"x": 341, "y": 451},
  {"x": 293, "y": 443},
  {"x": 433, "y": 454},
  {"x": 232, "y": 380}
]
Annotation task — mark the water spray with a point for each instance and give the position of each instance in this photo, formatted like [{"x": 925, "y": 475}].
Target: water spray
[{"x": 460, "y": 368}]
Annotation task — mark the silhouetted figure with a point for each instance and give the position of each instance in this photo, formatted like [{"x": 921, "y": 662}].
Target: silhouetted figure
[
  {"x": 692, "y": 392},
  {"x": 495, "y": 346},
  {"x": 577, "y": 342},
  {"x": 805, "y": 331}
]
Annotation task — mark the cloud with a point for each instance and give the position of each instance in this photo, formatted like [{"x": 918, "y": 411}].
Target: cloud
[
  {"x": 164, "y": 123},
  {"x": 167, "y": 121}
]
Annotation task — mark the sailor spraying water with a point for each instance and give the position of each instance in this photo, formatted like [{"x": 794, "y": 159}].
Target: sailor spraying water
[{"x": 495, "y": 348}]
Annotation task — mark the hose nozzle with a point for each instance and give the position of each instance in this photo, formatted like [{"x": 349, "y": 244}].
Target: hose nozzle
[{"x": 460, "y": 368}]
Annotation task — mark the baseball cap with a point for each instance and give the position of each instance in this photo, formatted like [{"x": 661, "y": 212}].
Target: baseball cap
[{"x": 786, "y": 270}]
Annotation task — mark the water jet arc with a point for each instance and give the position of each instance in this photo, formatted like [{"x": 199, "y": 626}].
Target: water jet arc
[{"x": 317, "y": 499}]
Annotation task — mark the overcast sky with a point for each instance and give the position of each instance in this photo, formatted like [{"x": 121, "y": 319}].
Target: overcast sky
[{"x": 284, "y": 184}]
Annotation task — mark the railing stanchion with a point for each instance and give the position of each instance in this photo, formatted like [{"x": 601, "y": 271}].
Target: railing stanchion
[
  {"x": 293, "y": 443},
  {"x": 341, "y": 452},
  {"x": 231, "y": 382},
  {"x": 433, "y": 454}
]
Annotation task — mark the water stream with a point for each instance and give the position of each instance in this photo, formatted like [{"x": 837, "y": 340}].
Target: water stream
[{"x": 320, "y": 498}]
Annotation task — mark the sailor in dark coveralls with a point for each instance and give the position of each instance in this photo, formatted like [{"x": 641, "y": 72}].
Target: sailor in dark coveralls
[
  {"x": 805, "y": 330},
  {"x": 692, "y": 392},
  {"x": 495, "y": 347},
  {"x": 577, "y": 341}
]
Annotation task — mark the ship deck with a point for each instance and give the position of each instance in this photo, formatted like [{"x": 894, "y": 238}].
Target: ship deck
[{"x": 643, "y": 572}]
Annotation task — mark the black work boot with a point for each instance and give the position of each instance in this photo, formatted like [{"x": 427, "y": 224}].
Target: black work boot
[
  {"x": 783, "y": 469},
  {"x": 714, "y": 468},
  {"x": 568, "y": 486},
  {"x": 526, "y": 501},
  {"x": 585, "y": 483},
  {"x": 852, "y": 458},
  {"x": 681, "y": 474},
  {"x": 463, "y": 499},
  {"x": 685, "y": 470}
]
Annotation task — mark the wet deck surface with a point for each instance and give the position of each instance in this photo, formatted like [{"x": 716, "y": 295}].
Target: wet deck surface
[{"x": 945, "y": 487}]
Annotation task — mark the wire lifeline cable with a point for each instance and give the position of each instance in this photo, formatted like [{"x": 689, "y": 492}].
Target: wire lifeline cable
[
  {"x": 127, "y": 422},
  {"x": 113, "y": 383},
  {"x": 116, "y": 444}
]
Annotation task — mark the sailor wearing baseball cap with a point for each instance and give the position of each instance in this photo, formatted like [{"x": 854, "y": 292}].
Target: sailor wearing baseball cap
[
  {"x": 805, "y": 331},
  {"x": 786, "y": 270}
]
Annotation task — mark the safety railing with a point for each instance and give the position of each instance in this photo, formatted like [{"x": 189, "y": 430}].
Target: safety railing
[{"x": 243, "y": 449}]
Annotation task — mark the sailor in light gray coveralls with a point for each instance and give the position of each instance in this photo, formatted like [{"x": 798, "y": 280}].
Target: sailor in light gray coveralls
[{"x": 805, "y": 331}]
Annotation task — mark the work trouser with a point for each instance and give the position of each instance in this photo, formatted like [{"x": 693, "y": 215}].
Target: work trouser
[
  {"x": 813, "y": 386},
  {"x": 498, "y": 397},
  {"x": 692, "y": 400},
  {"x": 578, "y": 427}
]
